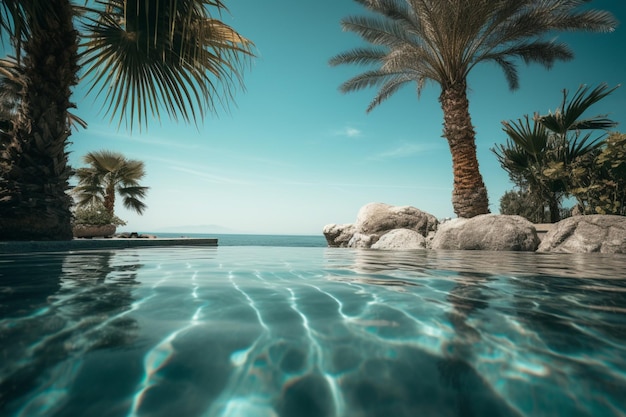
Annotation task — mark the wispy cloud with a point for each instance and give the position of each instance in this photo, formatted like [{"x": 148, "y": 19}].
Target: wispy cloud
[
  {"x": 348, "y": 131},
  {"x": 198, "y": 148},
  {"x": 209, "y": 177},
  {"x": 404, "y": 150},
  {"x": 173, "y": 143},
  {"x": 345, "y": 185},
  {"x": 260, "y": 180}
]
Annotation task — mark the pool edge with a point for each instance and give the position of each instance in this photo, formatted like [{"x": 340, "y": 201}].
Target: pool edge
[{"x": 89, "y": 244}]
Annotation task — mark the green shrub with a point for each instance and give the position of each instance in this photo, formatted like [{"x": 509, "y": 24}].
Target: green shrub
[
  {"x": 525, "y": 204},
  {"x": 96, "y": 215},
  {"x": 598, "y": 181}
]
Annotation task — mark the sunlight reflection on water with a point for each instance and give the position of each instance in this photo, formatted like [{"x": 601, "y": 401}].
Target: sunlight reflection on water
[{"x": 267, "y": 331}]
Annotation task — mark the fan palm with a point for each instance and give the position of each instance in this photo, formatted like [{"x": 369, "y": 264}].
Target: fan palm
[
  {"x": 140, "y": 55},
  {"x": 108, "y": 174},
  {"x": 442, "y": 41},
  {"x": 552, "y": 143}
]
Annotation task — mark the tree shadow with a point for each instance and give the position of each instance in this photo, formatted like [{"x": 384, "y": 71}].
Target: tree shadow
[{"x": 57, "y": 309}]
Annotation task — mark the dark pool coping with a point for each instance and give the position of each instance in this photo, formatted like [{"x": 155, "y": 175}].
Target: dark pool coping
[{"x": 100, "y": 243}]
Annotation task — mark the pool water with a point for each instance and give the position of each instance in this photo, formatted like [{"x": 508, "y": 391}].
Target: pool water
[{"x": 297, "y": 332}]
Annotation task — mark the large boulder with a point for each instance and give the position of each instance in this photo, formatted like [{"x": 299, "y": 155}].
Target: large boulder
[
  {"x": 491, "y": 232},
  {"x": 379, "y": 218},
  {"x": 400, "y": 239},
  {"x": 374, "y": 220},
  {"x": 582, "y": 234}
]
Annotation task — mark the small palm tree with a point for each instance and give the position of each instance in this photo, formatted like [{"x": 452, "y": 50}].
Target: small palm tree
[
  {"x": 108, "y": 174},
  {"x": 536, "y": 154},
  {"x": 442, "y": 41}
]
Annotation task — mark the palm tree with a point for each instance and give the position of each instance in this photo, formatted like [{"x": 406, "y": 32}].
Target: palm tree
[
  {"x": 537, "y": 155},
  {"x": 525, "y": 157},
  {"x": 33, "y": 165},
  {"x": 442, "y": 41},
  {"x": 140, "y": 55},
  {"x": 110, "y": 173}
]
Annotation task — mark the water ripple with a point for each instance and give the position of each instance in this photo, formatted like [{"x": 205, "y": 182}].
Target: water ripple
[{"x": 296, "y": 332}]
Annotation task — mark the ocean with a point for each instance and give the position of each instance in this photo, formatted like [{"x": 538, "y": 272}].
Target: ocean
[{"x": 301, "y": 241}]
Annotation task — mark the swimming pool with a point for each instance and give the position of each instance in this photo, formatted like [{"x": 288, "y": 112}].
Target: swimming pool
[{"x": 288, "y": 331}]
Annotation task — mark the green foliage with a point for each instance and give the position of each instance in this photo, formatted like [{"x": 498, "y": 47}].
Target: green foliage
[
  {"x": 96, "y": 215},
  {"x": 523, "y": 203},
  {"x": 550, "y": 157},
  {"x": 598, "y": 181}
]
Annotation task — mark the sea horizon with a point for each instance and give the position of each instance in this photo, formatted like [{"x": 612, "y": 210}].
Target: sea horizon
[{"x": 251, "y": 239}]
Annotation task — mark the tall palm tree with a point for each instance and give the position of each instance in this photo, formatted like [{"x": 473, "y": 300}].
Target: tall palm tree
[
  {"x": 33, "y": 165},
  {"x": 141, "y": 55},
  {"x": 110, "y": 173},
  {"x": 442, "y": 41},
  {"x": 557, "y": 139}
]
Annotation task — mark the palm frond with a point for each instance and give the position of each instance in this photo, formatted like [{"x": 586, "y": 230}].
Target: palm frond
[
  {"x": 582, "y": 145},
  {"x": 17, "y": 18},
  {"x": 365, "y": 80},
  {"x": 359, "y": 56},
  {"x": 545, "y": 53},
  {"x": 510, "y": 71},
  {"x": 174, "y": 57},
  {"x": 134, "y": 204},
  {"x": 12, "y": 19},
  {"x": 377, "y": 31},
  {"x": 588, "y": 20},
  {"x": 398, "y": 11},
  {"x": 393, "y": 84},
  {"x": 532, "y": 138},
  {"x": 566, "y": 117},
  {"x": 516, "y": 28}
]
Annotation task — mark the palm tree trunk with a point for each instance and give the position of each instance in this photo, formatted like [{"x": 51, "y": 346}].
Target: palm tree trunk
[
  {"x": 109, "y": 199},
  {"x": 469, "y": 197},
  {"x": 555, "y": 211},
  {"x": 34, "y": 204}
]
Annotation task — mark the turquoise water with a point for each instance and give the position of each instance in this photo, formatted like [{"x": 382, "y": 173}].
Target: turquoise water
[{"x": 292, "y": 331}]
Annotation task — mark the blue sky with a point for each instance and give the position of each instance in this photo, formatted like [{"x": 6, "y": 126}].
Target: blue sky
[{"x": 294, "y": 154}]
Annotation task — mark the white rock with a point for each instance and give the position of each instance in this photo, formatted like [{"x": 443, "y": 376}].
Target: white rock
[
  {"x": 591, "y": 233},
  {"x": 487, "y": 232},
  {"x": 360, "y": 240},
  {"x": 380, "y": 218},
  {"x": 338, "y": 235},
  {"x": 400, "y": 239}
]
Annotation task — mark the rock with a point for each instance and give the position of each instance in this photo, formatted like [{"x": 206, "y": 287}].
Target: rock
[
  {"x": 338, "y": 235},
  {"x": 591, "y": 233},
  {"x": 362, "y": 241},
  {"x": 402, "y": 239},
  {"x": 487, "y": 232},
  {"x": 379, "y": 218},
  {"x": 134, "y": 235}
]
